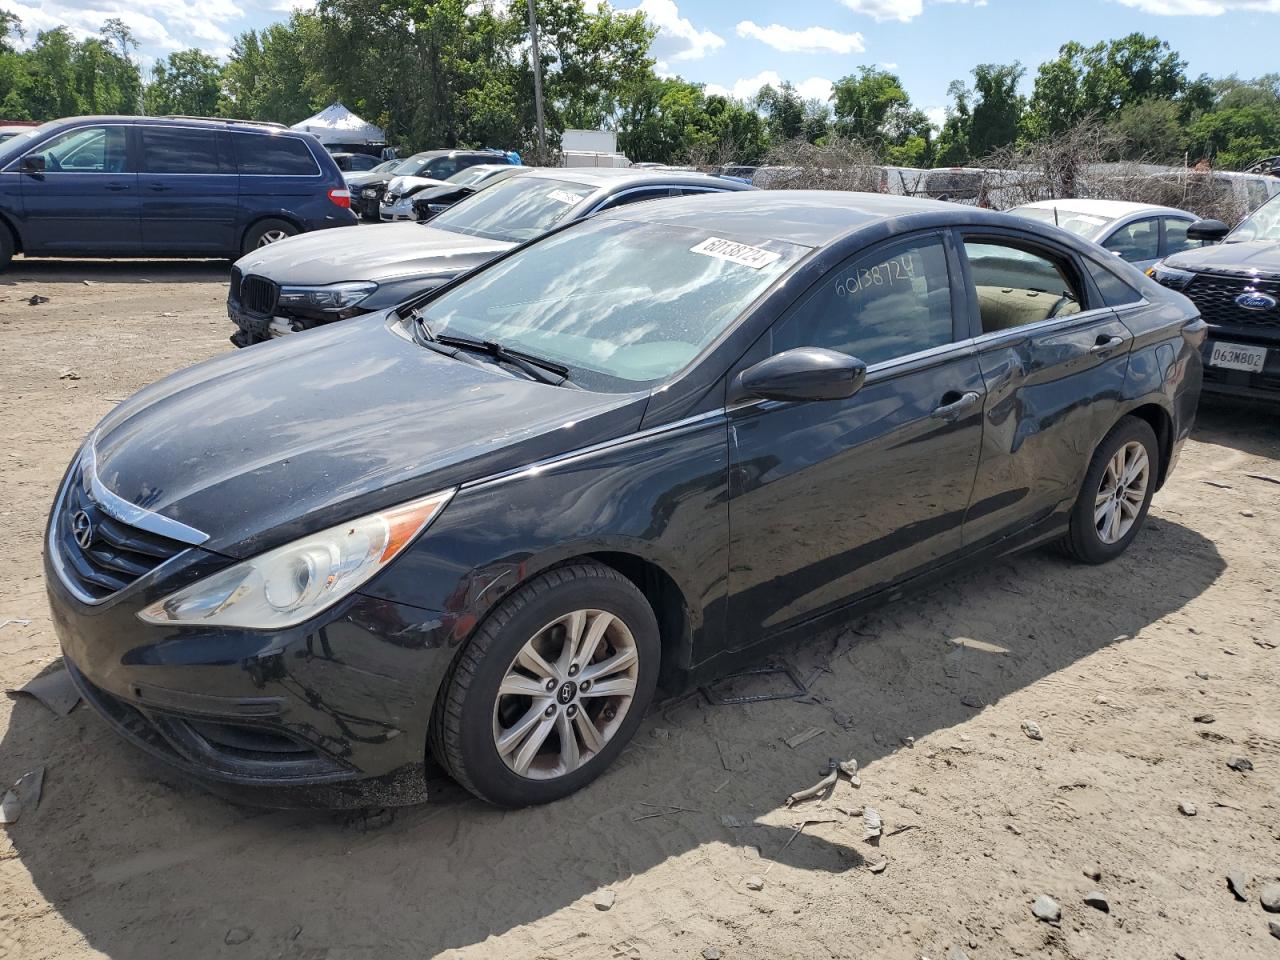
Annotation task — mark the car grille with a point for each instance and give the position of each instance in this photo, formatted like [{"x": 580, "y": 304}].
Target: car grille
[
  {"x": 1216, "y": 298},
  {"x": 258, "y": 294},
  {"x": 116, "y": 555}
]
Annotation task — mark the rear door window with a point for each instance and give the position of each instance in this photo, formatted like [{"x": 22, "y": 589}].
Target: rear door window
[
  {"x": 271, "y": 155},
  {"x": 179, "y": 150},
  {"x": 1017, "y": 284}
]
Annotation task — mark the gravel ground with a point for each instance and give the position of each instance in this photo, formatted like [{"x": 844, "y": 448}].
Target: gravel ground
[{"x": 124, "y": 859}]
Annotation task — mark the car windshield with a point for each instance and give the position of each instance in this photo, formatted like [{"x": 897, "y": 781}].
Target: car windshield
[
  {"x": 1262, "y": 224},
  {"x": 515, "y": 210},
  {"x": 469, "y": 175},
  {"x": 1081, "y": 224},
  {"x": 622, "y": 304}
]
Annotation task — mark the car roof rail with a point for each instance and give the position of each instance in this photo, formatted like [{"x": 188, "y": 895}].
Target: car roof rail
[{"x": 256, "y": 123}]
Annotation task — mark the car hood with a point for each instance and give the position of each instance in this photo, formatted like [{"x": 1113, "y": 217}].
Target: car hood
[
  {"x": 263, "y": 445},
  {"x": 380, "y": 252},
  {"x": 366, "y": 177},
  {"x": 1250, "y": 256},
  {"x": 402, "y": 185}
]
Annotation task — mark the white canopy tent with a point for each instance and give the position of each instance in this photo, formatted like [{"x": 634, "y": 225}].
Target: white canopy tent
[{"x": 336, "y": 124}]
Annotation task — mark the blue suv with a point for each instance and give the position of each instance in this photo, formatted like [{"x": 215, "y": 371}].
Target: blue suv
[{"x": 163, "y": 186}]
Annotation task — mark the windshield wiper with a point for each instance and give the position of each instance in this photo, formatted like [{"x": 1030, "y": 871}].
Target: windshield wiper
[{"x": 544, "y": 371}]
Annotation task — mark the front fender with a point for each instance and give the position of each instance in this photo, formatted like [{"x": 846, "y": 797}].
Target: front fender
[{"x": 659, "y": 495}]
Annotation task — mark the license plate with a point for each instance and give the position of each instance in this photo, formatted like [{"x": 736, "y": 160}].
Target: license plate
[{"x": 1237, "y": 356}]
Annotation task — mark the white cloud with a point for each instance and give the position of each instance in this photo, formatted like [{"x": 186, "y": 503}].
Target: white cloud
[
  {"x": 905, "y": 10},
  {"x": 1202, "y": 8},
  {"x": 808, "y": 40},
  {"x": 815, "y": 88},
  {"x": 161, "y": 26},
  {"x": 678, "y": 38},
  {"x": 937, "y": 116}
]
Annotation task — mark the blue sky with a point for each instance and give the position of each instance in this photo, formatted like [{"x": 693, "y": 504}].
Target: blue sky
[{"x": 735, "y": 47}]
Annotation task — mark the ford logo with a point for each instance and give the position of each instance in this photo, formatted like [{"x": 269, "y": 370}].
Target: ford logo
[{"x": 1254, "y": 300}]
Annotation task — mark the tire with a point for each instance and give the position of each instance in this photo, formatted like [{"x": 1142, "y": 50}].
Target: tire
[
  {"x": 6, "y": 246},
  {"x": 1091, "y": 537},
  {"x": 266, "y": 231},
  {"x": 472, "y": 713}
]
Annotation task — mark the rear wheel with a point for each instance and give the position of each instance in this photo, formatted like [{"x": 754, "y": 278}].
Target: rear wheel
[
  {"x": 1116, "y": 494},
  {"x": 550, "y": 689},
  {"x": 266, "y": 232}
]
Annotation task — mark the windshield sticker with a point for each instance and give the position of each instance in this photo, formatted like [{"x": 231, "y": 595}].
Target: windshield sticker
[
  {"x": 563, "y": 196},
  {"x": 739, "y": 253}
]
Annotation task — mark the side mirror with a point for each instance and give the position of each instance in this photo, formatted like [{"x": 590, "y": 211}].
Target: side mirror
[
  {"x": 33, "y": 163},
  {"x": 804, "y": 373},
  {"x": 1212, "y": 230}
]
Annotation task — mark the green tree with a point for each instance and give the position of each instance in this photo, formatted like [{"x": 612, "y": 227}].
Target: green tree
[
  {"x": 872, "y": 106},
  {"x": 997, "y": 107},
  {"x": 784, "y": 111},
  {"x": 1151, "y": 130},
  {"x": 186, "y": 82}
]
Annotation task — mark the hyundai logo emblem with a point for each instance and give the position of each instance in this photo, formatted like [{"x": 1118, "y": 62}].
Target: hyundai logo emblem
[
  {"x": 1256, "y": 300},
  {"x": 82, "y": 529}
]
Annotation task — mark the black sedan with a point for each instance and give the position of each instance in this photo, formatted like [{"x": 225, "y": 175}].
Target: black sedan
[
  {"x": 652, "y": 445},
  {"x": 307, "y": 284}
]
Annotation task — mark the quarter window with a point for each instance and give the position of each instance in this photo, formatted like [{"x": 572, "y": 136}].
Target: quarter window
[
  {"x": 1016, "y": 287},
  {"x": 274, "y": 155},
  {"x": 1136, "y": 241},
  {"x": 879, "y": 306},
  {"x": 85, "y": 150},
  {"x": 179, "y": 150}
]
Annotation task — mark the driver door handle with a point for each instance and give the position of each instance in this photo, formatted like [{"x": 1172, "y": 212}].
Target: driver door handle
[
  {"x": 955, "y": 405},
  {"x": 1105, "y": 346},
  {"x": 117, "y": 187}
]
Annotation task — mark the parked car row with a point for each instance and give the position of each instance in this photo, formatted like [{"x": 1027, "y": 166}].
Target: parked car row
[{"x": 433, "y": 165}]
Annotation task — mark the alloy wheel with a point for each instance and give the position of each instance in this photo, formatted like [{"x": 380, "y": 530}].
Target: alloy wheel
[
  {"x": 272, "y": 236},
  {"x": 1122, "y": 492},
  {"x": 565, "y": 694}
]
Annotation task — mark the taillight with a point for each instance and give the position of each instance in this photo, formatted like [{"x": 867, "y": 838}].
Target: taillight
[{"x": 341, "y": 196}]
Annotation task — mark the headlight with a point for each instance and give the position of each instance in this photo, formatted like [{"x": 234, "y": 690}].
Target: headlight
[
  {"x": 369, "y": 193},
  {"x": 438, "y": 207},
  {"x": 295, "y": 582},
  {"x": 335, "y": 296},
  {"x": 1170, "y": 276}
]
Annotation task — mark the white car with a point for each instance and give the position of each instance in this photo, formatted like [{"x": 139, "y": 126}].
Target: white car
[
  {"x": 1139, "y": 233},
  {"x": 397, "y": 202}
]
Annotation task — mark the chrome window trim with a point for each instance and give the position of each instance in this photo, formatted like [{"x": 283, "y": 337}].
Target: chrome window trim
[{"x": 131, "y": 513}]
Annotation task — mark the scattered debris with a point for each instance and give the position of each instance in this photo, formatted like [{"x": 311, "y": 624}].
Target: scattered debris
[
  {"x": 1269, "y": 897},
  {"x": 1246, "y": 513},
  {"x": 1274, "y": 927},
  {"x": 735, "y": 761},
  {"x": 1240, "y": 764},
  {"x": 755, "y": 883},
  {"x": 957, "y": 953},
  {"x": 710, "y": 953},
  {"x": 664, "y": 810},
  {"x": 20, "y": 622},
  {"x": 1032, "y": 729},
  {"x": 605, "y": 899},
  {"x": 35, "y": 300},
  {"x": 902, "y": 829},
  {"x": 68, "y": 375},
  {"x": 804, "y": 737},
  {"x": 88, "y": 283},
  {"x": 729, "y": 820},
  {"x": 660, "y": 733},
  {"x": 1204, "y": 718},
  {"x": 795, "y": 833},
  {"x": 722, "y": 785},
  {"x": 237, "y": 935},
  {"x": 1094, "y": 873},
  {"x": 828, "y": 783},
  {"x": 880, "y": 866},
  {"x": 1014, "y": 829},
  {"x": 1263, "y": 476},
  {"x": 1215, "y": 483},
  {"x": 972, "y": 701},
  {"x": 1098, "y": 900},
  {"x": 1264, "y": 644},
  {"x": 1237, "y": 884},
  {"x": 713, "y": 697},
  {"x": 1203, "y": 674},
  {"x": 1046, "y": 909},
  {"x": 10, "y": 806},
  {"x": 1186, "y": 808},
  {"x": 55, "y": 690},
  {"x": 908, "y": 742},
  {"x": 872, "y": 825}
]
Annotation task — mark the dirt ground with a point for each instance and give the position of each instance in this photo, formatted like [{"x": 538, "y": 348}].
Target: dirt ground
[{"x": 125, "y": 859}]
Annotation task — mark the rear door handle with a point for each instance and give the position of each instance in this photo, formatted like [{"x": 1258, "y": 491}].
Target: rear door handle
[
  {"x": 117, "y": 187},
  {"x": 158, "y": 187},
  {"x": 956, "y": 405},
  {"x": 1106, "y": 346}
]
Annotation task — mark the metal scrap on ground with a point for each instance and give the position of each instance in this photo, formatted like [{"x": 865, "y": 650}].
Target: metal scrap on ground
[{"x": 55, "y": 690}]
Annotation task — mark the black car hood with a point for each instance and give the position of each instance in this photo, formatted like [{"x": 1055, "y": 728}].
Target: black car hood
[
  {"x": 1247, "y": 257},
  {"x": 382, "y": 252},
  {"x": 268, "y": 443}
]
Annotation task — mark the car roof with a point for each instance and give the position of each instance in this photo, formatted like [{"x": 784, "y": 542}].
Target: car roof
[
  {"x": 214, "y": 123},
  {"x": 618, "y": 177},
  {"x": 812, "y": 218},
  {"x": 1115, "y": 209}
]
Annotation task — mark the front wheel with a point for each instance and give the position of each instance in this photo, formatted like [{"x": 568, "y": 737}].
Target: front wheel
[
  {"x": 1116, "y": 493},
  {"x": 551, "y": 687}
]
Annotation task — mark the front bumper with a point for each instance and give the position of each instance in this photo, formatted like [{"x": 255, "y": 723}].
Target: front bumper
[
  {"x": 402, "y": 209},
  {"x": 1256, "y": 385},
  {"x": 331, "y": 713}
]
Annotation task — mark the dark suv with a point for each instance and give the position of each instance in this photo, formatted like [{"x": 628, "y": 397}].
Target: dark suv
[
  {"x": 153, "y": 186},
  {"x": 436, "y": 164},
  {"x": 1236, "y": 285}
]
